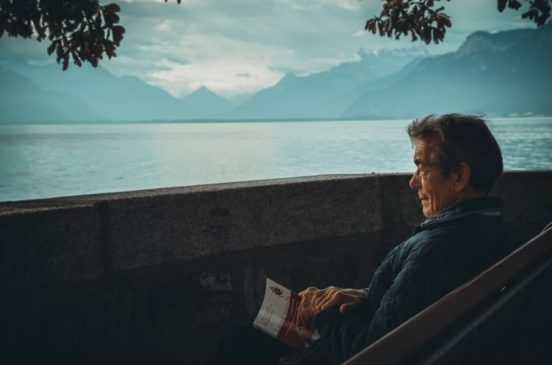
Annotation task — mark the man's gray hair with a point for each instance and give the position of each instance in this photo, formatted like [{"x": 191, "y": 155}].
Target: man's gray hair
[{"x": 461, "y": 139}]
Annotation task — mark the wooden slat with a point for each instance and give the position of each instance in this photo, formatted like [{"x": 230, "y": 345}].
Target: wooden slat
[{"x": 402, "y": 342}]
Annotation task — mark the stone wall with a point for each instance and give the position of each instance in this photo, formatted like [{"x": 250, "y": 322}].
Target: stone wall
[{"x": 155, "y": 276}]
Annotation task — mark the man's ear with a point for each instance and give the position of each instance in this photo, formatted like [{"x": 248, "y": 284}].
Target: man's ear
[{"x": 463, "y": 175}]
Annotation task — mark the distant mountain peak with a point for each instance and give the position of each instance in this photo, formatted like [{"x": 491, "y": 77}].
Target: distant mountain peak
[
  {"x": 481, "y": 41},
  {"x": 203, "y": 91},
  {"x": 289, "y": 78},
  {"x": 475, "y": 43},
  {"x": 202, "y": 102}
]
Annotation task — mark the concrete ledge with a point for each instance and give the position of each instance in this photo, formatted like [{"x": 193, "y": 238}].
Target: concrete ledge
[
  {"x": 527, "y": 198},
  {"x": 50, "y": 245},
  {"x": 80, "y": 238},
  {"x": 166, "y": 228}
]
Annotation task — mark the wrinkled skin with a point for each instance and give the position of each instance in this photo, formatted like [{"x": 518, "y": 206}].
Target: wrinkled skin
[
  {"x": 434, "y": 190},
  {"x": 314, "y": 300}
]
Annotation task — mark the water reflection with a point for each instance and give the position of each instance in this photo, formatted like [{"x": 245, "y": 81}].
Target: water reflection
[{"x": 40, "y": 161}]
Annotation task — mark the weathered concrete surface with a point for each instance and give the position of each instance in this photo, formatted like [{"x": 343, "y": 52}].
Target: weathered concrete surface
[
  {"x": 527, "y": 198},
  {"x": 155, "y": 276},
  {"x": 50, "y": 245},
  {"x": 167, "y": 228}
]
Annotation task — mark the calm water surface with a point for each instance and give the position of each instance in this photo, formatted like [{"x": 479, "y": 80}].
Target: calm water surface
[{"x": 39, "y": 161}]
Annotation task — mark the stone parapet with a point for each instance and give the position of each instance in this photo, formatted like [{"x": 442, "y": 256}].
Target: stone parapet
[{"x": 154, "y": 276}]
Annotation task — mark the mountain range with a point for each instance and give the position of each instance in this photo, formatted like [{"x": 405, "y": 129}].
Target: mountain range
[{"x": 504, "y": 73}]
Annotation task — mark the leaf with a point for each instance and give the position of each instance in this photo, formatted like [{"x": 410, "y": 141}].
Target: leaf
[
  {"x": 371, "y": 26},
  {"x": 514, "y": 4},
  {"x": 98, "y": 21},
  {"x": 51, "y": 48},
  {"x": 109, "y": 49},
  {"x": 389, "y": 26},
  {"x": 528, "y": 14},
  {"x": 76, "y": 59},
  {"x": 118, "y": 32},
  {"x": 436, "y": 36},
  {"x": 502, "y": 5},
  {"x": 39, "y": 29},
  {"x": 113, "y": 8},
  {"x": 380, "y": 28},
  {"x": 59, "y": 51}
]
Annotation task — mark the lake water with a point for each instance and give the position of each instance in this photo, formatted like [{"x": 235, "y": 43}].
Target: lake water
[{"x": 40, "y": 161}]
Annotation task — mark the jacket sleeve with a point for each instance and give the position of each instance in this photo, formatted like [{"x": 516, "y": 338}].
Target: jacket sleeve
[{"x": 345, "y": 335}]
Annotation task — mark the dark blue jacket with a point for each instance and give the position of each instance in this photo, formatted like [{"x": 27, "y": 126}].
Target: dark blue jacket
[{"x": 444, "y": 252}]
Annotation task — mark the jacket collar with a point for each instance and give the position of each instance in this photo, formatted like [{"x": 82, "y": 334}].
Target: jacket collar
[{"x": 484, "y": 206}]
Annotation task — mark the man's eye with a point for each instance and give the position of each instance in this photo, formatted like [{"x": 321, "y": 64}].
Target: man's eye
[{"x": 422, "y": 170}]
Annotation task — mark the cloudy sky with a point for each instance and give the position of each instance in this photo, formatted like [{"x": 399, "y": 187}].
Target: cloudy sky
[{"x": 240, "y": 46}]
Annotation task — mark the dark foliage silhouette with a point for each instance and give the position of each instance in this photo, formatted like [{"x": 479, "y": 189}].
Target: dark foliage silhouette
[{"x": 424, "y": 21}]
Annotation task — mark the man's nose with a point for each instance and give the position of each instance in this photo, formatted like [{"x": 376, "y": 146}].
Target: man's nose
[{"x": 414, "y": 182}]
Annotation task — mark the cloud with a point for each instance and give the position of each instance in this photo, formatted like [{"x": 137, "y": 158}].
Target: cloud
[
  {"x": 351, "y": 5},
  {"x": 214, "y": 43},
  {"x": 164, "y": 27},
  {"x": 232, "y": 79},
  {"x": 184, "y": 46}
]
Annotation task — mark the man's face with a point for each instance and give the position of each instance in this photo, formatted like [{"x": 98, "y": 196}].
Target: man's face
[{"x": 435, "y": 191}]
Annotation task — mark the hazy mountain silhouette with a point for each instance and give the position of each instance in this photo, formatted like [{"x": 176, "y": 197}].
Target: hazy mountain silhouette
[
  {"x": 506, "y": 73},
  {"x": 22, "y": 101},
  {"x": 203, "y": 103},
  {"x": 494, "y": 74},
  {"x": 322, "y": 95},
  {"x": 125, "y": 98}
]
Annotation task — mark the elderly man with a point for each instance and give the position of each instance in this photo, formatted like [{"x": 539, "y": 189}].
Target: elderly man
[{"x": 457, "y": 162}]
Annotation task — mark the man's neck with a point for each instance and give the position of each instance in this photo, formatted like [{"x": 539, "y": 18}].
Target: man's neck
[{"x": 469, "y": 193}]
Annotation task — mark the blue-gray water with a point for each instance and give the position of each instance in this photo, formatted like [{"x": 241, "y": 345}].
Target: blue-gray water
[{"x": 40, "y": 161}]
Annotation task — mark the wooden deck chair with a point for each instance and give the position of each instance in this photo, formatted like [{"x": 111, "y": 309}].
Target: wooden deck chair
[{"x": 502, "y": 316}]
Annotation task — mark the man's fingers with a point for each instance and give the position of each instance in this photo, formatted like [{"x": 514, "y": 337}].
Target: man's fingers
[
  {"x": 348, "y": 307},
  {"x": 314, "y": 300},
  {"x": 307, "y": 308},
  {"x": 341, "y": 297},
  {"x": 336, "y": 297},
  {"x": 310, "y": 289},
  {"x": 325, "y": 295}
]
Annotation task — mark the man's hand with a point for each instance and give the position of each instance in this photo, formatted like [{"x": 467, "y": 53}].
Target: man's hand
[
  {"x": 314, "y": 300},
  {"x": 347, "y": 299},
  {"x": 307, "y": 306}
]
